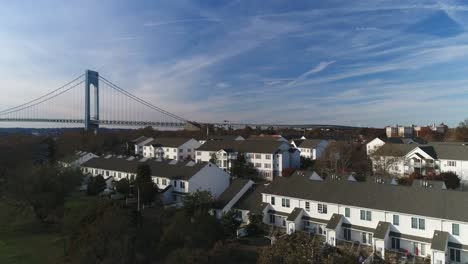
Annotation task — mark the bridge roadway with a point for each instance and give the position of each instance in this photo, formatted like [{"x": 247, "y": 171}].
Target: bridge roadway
[{"x": 173, "y": 124}]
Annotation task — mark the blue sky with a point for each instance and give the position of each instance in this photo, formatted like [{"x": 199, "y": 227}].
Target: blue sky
[{"x": 363, "y": 63}]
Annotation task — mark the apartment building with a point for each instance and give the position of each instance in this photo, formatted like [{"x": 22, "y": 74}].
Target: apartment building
[
  {"x": 424, "y": 220},
  {"x": 138, "y": 144},
  {"x": 171, "y": 148},
  {"x": 399, "y": 131},
  {"x": 268, "y": 157},
  {"x": 173, "y": 179},
  {"x": 310, "y": 148},
  {"x": 435, "y": 157}
]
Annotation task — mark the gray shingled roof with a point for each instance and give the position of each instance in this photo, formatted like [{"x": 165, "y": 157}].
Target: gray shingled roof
[
  {"x": 171, "y": 142},
  {"x": 308, "y": 143},
  {"x": 233, "y": 189},
  {"x": 294, "y": 214},
  {"x": 447, "y": 151},
  {"x": 334, "y": 221},
  {"x": 243, "y": 146},
  {"x": 395, "y": 150},
  {"x": 158, "y": 168},
  {"x": 439, "y": 240},
  {"x": 381, "y": 230},
  {"x": 252, "y": 199},
  {"x": 386, "y": 197}
]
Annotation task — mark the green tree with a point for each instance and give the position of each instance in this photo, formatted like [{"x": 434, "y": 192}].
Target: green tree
[
  {"x": 100, "y": 232},
  {"x": 199, "y": 202},
  {"x": 214, "y": 159},
  {"x": 241, "y": 168},
  {"x": 230, "y": 223},
  {"x": 297, "y": 248},
  {"x": 256, "y": 225},
  {"x": 143, "y": 174},
  {"x": 96, "y": 185},
  {"x": 123, "y": 186},
  {"x": 452, "y": 181}
]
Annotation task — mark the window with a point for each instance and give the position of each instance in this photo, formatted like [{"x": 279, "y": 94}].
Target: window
[
  {"x": 364, "y": 238},
  {"x": 418, "y": 223},
  {"x": 175, "y": 150},
  {"x": 306, "y": 223},
  {"x": 307, "y": 206},
  {"x": 366, "y": 215},
  {"x": 422, "y": 224},
  {"x": 272, "y": 200},
  {"x": 285, "y": 202},
  {"x": 248, "y": 155},
  {"x": 396, "y": 220},
  {"x": 258, "y": 156},
  {"x": 454, "y": 255},
  {"x": 181, "y": 157},
  {"x": 189, "y": 150},
  {"x": 423, "y": 250},
  {"x": 199, "y": 161},
  {"x": 395, "y": 243},
  {"x": 451, "y": 163},
  {"x": 347, "y": 212},
  {"x": 268, "y": 157},
  {"x": 175, "y": 184},
  {"x": 267, "y": 166},
  {"x": 164, "y": 182},
  {"x": 182, "y": 184},
  {"x": 455, "y": 229},
  {"x": 322, "y": 208},
  {"x": 347, "y": 233},
  {"x": 258, "y": 165},
  {"x": 198, "y": 153},
  {"x": 284, "y": 221},
  {"x": 175, "y": 157},
  {"x": 272, "y": 219}
]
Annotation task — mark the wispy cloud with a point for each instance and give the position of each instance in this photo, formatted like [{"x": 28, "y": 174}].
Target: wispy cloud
[{"x": 178, "y": 21}]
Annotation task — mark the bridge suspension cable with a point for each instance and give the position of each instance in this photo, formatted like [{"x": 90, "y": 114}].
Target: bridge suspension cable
[
  {"x": 141, "y": 101},
  {"x": 25, "y": 105}
]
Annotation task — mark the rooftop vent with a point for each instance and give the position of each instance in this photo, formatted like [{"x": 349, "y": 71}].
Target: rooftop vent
[
  {"x": 131, "y": 158},
  {"x": 190, "y": 163},
  {"x": 108, "y": 156},
  {"x": 143, "y": 160},
  {"x": 379, "y": 181}
]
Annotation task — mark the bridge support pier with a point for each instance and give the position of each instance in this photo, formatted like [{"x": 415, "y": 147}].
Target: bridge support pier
[{"x": 91, "y": 79}]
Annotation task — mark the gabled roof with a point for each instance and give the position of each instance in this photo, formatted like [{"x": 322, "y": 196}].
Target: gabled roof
[
  {"x": 381, "y": 230},
  {"x": 294, "y": 214},
  {"x": 307, "y": 143},
  {"x": 335, "y": 221},
  {"x": 171, "y": 142},
  {"x": 439, "y": 240},
  {"x": 178, "y": 171},
  {"x": 243, "y": 146},
  {"x": 394, "y": 150},
  {"x": 252, "y": 200},
  {"x": 385, "y": 197},
  {"x": 234, "y": 188},
  {"x": 139, "y": 139}
]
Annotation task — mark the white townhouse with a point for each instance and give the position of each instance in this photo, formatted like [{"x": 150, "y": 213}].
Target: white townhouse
[
  {"x": 76, "y": 159},
  {"x": 171, "y": 148},
  {"x": 424, "y": 220},
  {"x": 139, "y": 143},
  {"x": 268, "y": 157},
  {"x": 310, "y": 148},
  {"x": 173, "y": 179},
  {"x": 376, "y": 143}
]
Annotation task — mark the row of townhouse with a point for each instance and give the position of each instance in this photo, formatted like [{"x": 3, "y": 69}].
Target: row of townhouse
[
  {"x": 173, "y": 179},
  {"x": 76, "y": 159},
  {"x": 424, "y": 219},
  {"x": 268, "y": 157},
  {"x": 434, "y": 157}
]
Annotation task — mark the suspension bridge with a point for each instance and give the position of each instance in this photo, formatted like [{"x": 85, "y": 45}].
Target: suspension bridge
[{"x": 103, "y": 103}]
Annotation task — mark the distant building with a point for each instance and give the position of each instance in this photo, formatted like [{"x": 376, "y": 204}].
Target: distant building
[
  {"x": 310, "y": 148},
  {"x": 171, "y": 148},
  {"x": 269, "y": 157},
  {"x": 76, "y": 159},
  {"x": 399, "y": 131}
]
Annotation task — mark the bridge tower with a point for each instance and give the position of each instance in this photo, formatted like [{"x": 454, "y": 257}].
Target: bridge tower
[{"x": 92, "y": 79}]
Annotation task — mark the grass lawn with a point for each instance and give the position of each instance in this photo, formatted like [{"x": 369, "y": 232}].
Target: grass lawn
[{"x": 23, "y": 239}]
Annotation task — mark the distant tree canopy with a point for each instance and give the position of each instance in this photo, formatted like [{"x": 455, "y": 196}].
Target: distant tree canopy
[
  {"x": 296, "y": 248},
  {"x": 43, "y": 188},
  {"x": 199, "y": 202},
  {"x": 452, "y": 181},
  {"x": 143, "y": 174},
  {"x": 241, "y": 168},
  {"x": 123, "y": 186}
]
